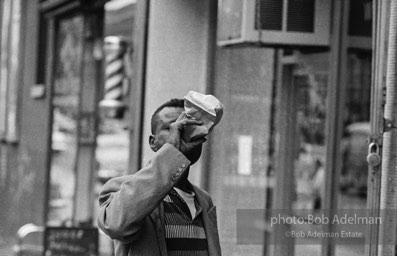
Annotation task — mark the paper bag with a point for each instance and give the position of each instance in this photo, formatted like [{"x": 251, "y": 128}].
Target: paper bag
[{"x": 205, "y": 108}]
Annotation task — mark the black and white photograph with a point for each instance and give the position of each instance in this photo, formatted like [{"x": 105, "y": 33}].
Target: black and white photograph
[{"x": 198, "y": 127}]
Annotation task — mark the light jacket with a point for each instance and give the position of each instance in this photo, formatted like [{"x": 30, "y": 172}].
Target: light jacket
[{"x": 131, "y": 209}]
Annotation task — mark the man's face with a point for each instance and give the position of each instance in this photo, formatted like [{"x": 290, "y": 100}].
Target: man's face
[{"x": 165, "y": 118}]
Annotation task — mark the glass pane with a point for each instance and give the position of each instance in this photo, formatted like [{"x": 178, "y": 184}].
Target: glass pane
[
  {"x": 354, "y": 145},
  {"x": 66, "y": 88},
  {"x": 240, "y": 172},
  {"x": 113, "y": 138},
  {"x": 353, "y": 182},
  {"x": 310, "y": 81}
]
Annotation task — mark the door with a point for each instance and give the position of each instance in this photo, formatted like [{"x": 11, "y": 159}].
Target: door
[{"x": 73, "y": 39}]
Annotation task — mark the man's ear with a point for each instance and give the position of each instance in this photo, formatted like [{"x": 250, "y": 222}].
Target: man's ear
[{"x": 152, "y": 144}]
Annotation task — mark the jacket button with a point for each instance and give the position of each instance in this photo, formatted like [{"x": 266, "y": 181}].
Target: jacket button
[
  {"x": 183, "y": 165},
  {"x": 174, "y": 177},
  {"x": 180, "y": 169}
]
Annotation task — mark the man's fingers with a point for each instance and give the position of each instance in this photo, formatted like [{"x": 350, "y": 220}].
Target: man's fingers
[
  {"x": 181, "y": 116},
  {"x": 192, "y": 122},
  {"x": 196, "y": 142},
  {"x": 184, "y": 122}
]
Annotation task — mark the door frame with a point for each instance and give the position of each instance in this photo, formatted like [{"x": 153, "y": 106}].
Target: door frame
[{"x": 90, "y": 80}]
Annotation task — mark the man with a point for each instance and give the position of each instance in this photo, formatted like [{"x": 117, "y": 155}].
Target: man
[{"x": 157, "y": 211}]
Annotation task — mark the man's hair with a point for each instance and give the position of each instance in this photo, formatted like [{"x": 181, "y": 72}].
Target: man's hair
[{"x": 173, "y": 103}]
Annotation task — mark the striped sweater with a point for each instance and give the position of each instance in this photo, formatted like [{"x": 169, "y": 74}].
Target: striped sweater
[{"x": 184, "y": 234}]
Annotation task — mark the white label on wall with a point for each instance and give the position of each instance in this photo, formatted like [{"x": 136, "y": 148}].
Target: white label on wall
[{"x": 244, "y": 154}]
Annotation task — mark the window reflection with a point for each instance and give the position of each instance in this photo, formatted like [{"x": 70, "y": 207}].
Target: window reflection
[
  {"x": 243, "y": 171},
  {"x": 65, "y": 100},
  {"x": 240, "y": 174},
  {"x": 311, "y": 82},
  {"x": 354, "y": 146},
  {"x": 311, "y": 86},
  {"x": 113, "y": 136}
]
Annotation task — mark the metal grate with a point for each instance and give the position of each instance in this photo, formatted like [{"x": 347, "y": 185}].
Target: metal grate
[
  {"x": 270, "y": 14},
  {"x": 300, "y": 15}
]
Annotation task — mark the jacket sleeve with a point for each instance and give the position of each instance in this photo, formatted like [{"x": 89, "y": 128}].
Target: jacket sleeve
[{"x": 126, "y": 201}]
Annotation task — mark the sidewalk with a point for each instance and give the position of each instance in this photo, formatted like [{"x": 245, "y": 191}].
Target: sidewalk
[{"x": 105, "y": 247}]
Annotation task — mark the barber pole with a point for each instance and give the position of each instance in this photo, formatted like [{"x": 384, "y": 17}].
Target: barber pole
[{"x": 115, "y": 49}]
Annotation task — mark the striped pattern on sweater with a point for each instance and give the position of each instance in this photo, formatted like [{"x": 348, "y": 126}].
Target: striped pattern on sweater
[{"x": 185, "y": 236}]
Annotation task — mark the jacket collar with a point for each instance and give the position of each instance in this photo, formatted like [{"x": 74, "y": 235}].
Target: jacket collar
[
  {"x": 158, "y": 218},
  {"x": 211, "y": 229}
]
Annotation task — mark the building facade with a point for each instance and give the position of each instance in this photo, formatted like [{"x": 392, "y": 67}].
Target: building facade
[{"x": 294, "y": 77}]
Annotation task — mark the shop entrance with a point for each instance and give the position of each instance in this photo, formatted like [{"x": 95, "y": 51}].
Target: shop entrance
[
  {"x": 72, "y": 37},
  {"x": 302, "y": 157},
  {"x": 87, "y": 62}
]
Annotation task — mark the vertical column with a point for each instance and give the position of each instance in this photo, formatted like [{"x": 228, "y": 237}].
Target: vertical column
[
  {"x": 334, "y": 122},
  {"x": 138, "y": 84},
  {"x": 283, "y": 194},
  {"x": 388, "y": 195},
  {"x": 14, "y": 72},
  {"x": 379, "y": 28},
  {"x": 5, "y": 17},
  {"x": 179, "y": 49},
  {"x": 4, "y": 69}
]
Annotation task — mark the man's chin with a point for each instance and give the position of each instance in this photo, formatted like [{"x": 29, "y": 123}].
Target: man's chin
[{"x": 194, "y": 155}]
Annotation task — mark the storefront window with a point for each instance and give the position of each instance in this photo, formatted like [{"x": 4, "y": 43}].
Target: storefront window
[
  {"x": 65, "y": 102},
  {"x": 112, "y": 152},
  {"x": 281, "y": 110},
  {"x": 353, "y": 181},
  {"x": 309, "y": 79},
  {"x": 70, "y": 109},
  {"x": 241, "y": 174},
  {"x": 249, "y": 155}
]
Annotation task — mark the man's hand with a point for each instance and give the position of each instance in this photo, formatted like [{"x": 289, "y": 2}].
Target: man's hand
[{"x": 176, "y": 128}]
